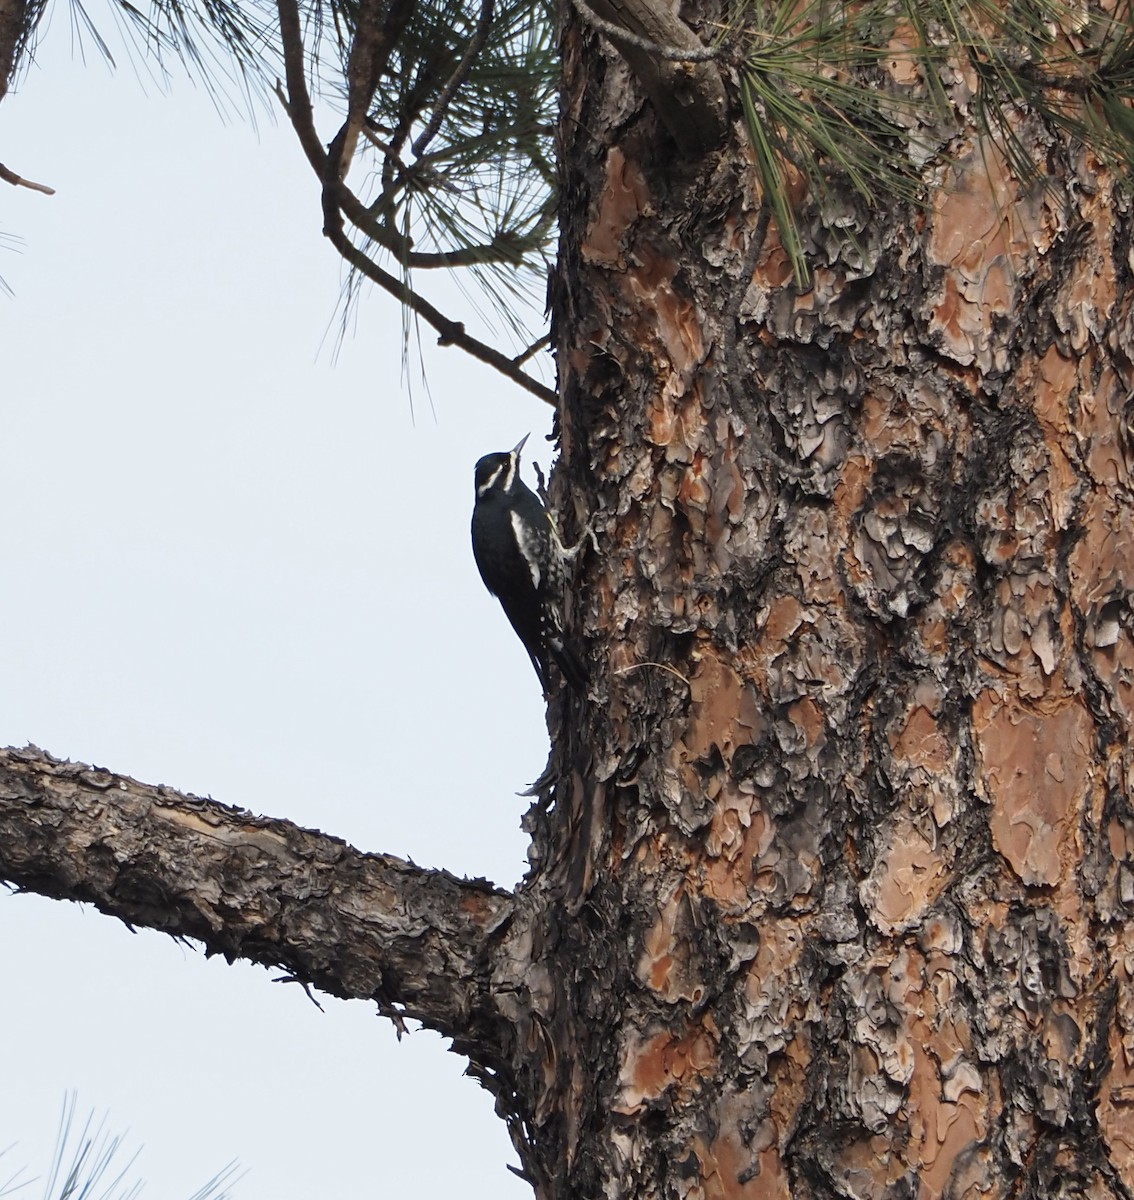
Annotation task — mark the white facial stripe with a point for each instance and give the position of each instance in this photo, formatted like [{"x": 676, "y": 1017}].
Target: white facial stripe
[
  {"x": 487, "y": 484},
  {"x": 513, "y": 459},
  {"x": 528, "y": 546}
]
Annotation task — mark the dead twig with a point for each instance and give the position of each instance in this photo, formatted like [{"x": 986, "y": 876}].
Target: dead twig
[
  {"x": 677, "y": 71},
  {"x": 475, "y": 46},
  {"x": 19, "y": 181},
  {"x": 661, "y": 667},
  {"x": 618, "y": 33},
  {"x": 452, "y": 333}
]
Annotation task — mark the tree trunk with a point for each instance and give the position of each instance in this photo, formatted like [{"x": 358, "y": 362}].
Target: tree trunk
[
  {"x": 832, "y": 868},
  {"x": 13, "y": 27},
  {"x": 839, "y": 864}
]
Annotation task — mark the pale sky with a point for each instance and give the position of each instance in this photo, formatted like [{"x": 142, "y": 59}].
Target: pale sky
[{"x": 237, "y": 566}]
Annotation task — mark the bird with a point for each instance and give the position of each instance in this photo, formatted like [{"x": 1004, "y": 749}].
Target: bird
[{"x": 522, "y": 563}]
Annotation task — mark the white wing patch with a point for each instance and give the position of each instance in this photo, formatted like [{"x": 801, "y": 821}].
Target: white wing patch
[{"x": 529, "y": 547}]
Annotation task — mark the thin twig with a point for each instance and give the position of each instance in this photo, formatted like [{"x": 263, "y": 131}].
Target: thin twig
[
  {"x": 662, "y": 666},
  {"x": 458, "y": 77},
  {"x": 411, "y": 106},
  {"x": 19, "y": 181},
  {"x": 303, "y": 984},
  {"x": 452, "y": 332},
  {"x": 618, "y": 34},
  {"x": 389, "y": 238},
  {"x": 297, "y": 104},
  {"x": 501, "y": 249},
  {"x": 422, "y": 169},
  {"x": 532, "y": 350}
]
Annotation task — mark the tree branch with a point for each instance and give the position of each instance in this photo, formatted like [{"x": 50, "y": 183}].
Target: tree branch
[
  {"x": 672, "y": 64},
  {"x": 623, "y": 36},
  {"x": 13, "y": 34},
  {"x": 378, "y": 27},
  {"x": 460, "y": 74},
  {"x": 298, "y": 101},
  {"x": 452, "y": 333},
  {"x": 10, "y": 176},
  {"x": 359, "y": 926},
  {"x": 297, "y": 104},
  {"x": 501, "y": 249}
]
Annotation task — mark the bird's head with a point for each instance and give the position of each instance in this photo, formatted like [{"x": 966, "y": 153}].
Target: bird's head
[{"x": 499, "y": 471}]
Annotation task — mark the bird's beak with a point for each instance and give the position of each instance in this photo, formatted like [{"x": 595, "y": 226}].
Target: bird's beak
[{"x": 520, "y": 445}]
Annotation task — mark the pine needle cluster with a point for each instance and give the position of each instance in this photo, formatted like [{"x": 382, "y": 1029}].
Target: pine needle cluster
[
  {"x": 866, "y": 93},
  {"x": 454, "y": 162}
]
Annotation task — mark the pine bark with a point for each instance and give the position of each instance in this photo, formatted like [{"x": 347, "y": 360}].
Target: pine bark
[
  {"x": 832, "y": 870},
  {"x": 354, "y": 925},
  {"x": 842, "y": 844},
  {"x": 13, "y": 34}
]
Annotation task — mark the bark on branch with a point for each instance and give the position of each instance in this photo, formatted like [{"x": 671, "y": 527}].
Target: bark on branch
[
  {"x": 355, "y": 925},
  {"x": 461, "y": 956},
  {"x": 674, "y": 67},
  {"x": 10, "y": 176},
  {"x": 13, "y": 32}
]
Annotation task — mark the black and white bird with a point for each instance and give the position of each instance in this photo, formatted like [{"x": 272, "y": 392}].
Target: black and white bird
[{"x": 521, "y": 561}]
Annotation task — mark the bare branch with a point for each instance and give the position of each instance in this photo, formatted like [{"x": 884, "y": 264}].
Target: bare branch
[
  {"x": 339, "y": 199},
  {"x": 11, "y": 177},
  {"x": 359, "y": 926},
  {"x": 674, "y": 67},
  {"x": 378, "y": 26},
  {"x": 502, "y": 248},
  {"x": 475, "y": 46},
  {"x": 452, "y": 333},
  {"x": 622, "y": 36},
  {"x": 532, "y": 350},
  {"x": 297, "y": 102}
]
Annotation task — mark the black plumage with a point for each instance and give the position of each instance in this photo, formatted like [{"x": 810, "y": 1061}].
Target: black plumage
[{"x": 521, "y": 562}]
